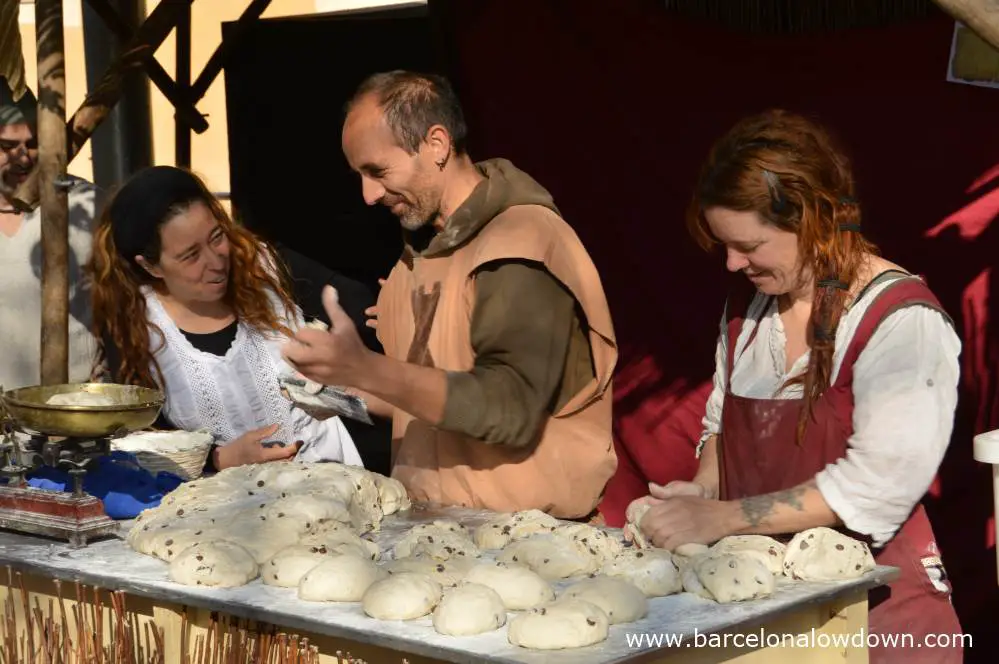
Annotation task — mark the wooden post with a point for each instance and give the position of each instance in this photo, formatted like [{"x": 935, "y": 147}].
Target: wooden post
[
  {"x": 982, "y": 16},
  {"x": 54, "y": 204}
]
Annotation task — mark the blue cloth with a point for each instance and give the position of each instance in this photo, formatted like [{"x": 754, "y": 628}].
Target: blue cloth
[{"x": 125, "y": 488}]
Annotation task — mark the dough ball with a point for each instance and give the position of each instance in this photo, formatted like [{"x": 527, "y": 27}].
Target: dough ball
[
  {"x": 823, "y": 554},
  {"x": 311, "y": 510},
  {"x": 80, "y": 399},
  {"x": 566, "y": 623},
  {"x": 505, "y": 528},
  {"x": 392, "y": 494},
  {"x": 620, "y": 600},
  {"x": 339, "y": 579},
  {"x": 767, "y": 549},
  {"x": 336, "y": 538},
  {"x": 688, "y": 577},
  {"x": 469, "y": 609},
  {"x": 443, "y": 528},
  {"x": 445, "y": 546},
  {"x": 518, "y": 586},
  {"x": 448, "y": 573},
  {"x": 290, "y": 564},
  {"x": 402, "y": 596},
  {"x": 596, "y": 542},
  {"x": 215, "y": 564},
  {"x": 734, "y": 577},
  {"x": 690, "y": 550},
  {"x": 551, "y": 557},
  {"x": 650, "y": 570}
]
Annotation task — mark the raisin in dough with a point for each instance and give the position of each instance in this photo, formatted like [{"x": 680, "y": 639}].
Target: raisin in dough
[
  {"x": 311, "y": 510},
  {"x": 445, "y": 546},
  {"x": 565, "y": 623},
  {"x": 336, "y": 537},
  {"x": 551, "y": 557},
  {"x": 448, "y": 573},
  {"x": 650, "y": 570},
  {"x": 215, "y": 564},
  {"x": 767, "y": 549},
  {"x": 505, "y": 528},
  {"x": 518, "y": 586},
  {"x": 823, "y": 554},
  {"x": 403, "y": 596},
  {"x": 443, "y": 528},
  {"x": 596, "y": 542},
  {"x": 290, "y": 564},
  {"x": 623, "y": 602},
  {"x": 469, "y": 609},
  {"x": 734, "y": 577},
  {"x": 339, "y": 578}
]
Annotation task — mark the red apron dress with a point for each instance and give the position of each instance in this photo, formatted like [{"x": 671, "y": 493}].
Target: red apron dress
[{"x": 758, "y": 454}]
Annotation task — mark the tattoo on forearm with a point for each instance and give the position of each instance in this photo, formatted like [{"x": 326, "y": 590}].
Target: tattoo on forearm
[{"x": 758, "y": 509}]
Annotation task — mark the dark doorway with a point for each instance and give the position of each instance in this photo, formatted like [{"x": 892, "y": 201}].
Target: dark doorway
[{"x": 286, "y": 83}]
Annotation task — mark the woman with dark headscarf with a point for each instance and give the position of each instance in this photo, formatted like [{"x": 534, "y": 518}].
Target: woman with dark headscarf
[
  {"x": 187, "y": 301},
  {"x": 835, "y": 383}
]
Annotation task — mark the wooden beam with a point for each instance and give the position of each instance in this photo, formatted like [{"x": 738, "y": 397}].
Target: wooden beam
[
  {"x": 102, "y": 99},
  {"x": 215, "y": 64},
  {"x": 51, "y": 172},
  {"x": 982, "y": 16},
  {"x": 174, "y": 92}
]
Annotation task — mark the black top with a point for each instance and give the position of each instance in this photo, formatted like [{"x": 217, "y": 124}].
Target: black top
[{"x": 216, "y": 343}]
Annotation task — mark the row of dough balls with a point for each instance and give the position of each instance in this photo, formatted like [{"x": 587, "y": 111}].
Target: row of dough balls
[
  {"x": 746, "y": 567},
  {"x": 473, "y": 597},
  {"x": 265, "y": 508}
]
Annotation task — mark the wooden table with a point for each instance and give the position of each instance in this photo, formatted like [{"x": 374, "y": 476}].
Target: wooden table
[{"x": 811, "y": 611}]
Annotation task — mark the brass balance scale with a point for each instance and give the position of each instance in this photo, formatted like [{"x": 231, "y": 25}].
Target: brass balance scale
[{"x": 36, "y": 433}]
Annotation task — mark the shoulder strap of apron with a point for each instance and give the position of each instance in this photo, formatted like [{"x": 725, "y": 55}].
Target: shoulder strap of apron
[{"x": 903, "y": 292}]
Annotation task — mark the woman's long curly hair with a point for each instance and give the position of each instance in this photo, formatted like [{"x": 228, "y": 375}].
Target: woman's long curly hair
[
  {"x": 119, "y": 307},
  {"x": 786, "y": 169}
]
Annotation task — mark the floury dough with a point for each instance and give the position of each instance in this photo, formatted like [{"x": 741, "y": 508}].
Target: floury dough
[
  {"x": 551, "y": 557},
  {"x": 632, "y": 528},
  {"x": 339, "y": 578},
  {"x": 469, "y": 609},
  {"x": 434, "y": 539},
  {"x": 448, "y": 573},
  {"x": 80, "y": 399},
  {"x": 215, "y": 564},
  {"x": 505, "y": 528},
  {"x": 823, "y": 554},
  {"x": 564, "y": 623},
  {"x": 290, "y": 564},
  {"x": 518, "y": 586},
  {"x": 403, "y": 596},
  {"x": 734, "y": 577},
  {"x": 620, "y": 600},
  {"x": 650, "y": 570},
  {"x": 768, "y": 550}
]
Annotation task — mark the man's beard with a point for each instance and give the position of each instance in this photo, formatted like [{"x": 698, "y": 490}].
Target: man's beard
[{"x": 415, "y": 217}]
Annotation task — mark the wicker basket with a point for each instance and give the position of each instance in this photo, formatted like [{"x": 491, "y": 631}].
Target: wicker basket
[{"x": 181, "y": 453}]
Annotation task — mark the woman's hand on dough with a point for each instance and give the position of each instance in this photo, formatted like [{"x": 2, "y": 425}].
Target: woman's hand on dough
[
  {"x": 685, "y": 519},
  {"x": 249, "y": 448},
  {"x": 677, "y": 488}
]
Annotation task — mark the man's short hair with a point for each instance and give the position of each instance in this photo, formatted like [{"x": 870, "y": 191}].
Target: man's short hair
[{"x": 412, "y": 104}]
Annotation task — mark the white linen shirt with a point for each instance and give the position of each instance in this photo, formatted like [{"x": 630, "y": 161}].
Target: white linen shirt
[
  {"x": 905, "y": 393},
  {"x": 235, "y": 393}
]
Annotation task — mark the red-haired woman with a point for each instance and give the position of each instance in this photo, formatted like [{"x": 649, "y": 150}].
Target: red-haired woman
[
  {"x": 187, "y": 301},
  {"x": 836, "y": 376}
]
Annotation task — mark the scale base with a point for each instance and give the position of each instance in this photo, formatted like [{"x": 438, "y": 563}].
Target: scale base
[{"x": 56, "y": 514}]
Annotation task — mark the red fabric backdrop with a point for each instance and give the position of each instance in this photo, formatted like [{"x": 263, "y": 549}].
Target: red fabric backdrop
[{"x": 612, "y": 106}]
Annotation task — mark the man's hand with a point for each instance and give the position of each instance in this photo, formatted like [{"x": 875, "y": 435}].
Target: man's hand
[
  {"x": 336, "y": 357},
  {"x": 249, "y": 448}
]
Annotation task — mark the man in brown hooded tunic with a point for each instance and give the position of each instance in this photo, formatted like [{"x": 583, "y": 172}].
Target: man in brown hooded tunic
[{"x": 499, "y": 345}]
